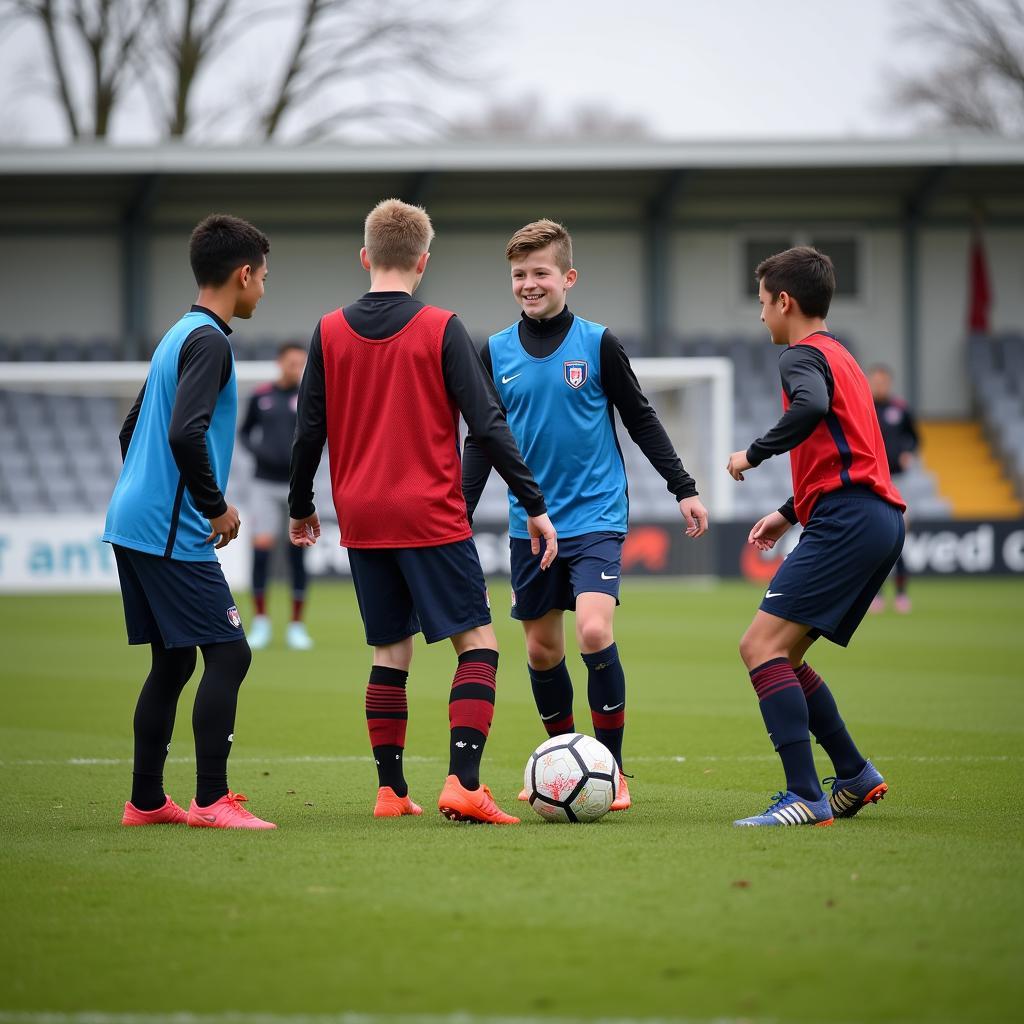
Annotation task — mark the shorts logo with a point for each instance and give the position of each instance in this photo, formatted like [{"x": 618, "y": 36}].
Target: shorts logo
[
  {"x": 233, "y": 617},
  {"x": 575, "y": 371}
]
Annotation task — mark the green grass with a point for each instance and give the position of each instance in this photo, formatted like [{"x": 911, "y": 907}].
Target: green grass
[{"x": 912, "y": 911}]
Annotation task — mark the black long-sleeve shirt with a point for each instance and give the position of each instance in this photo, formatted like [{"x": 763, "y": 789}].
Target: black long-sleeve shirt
[
  {"x": 268, "y": 430},
  {"x": 542, "y": 337},
  {"x": 204, "y": 367},
  {"x": 380, "y": 315},
  {"x": 807, "y": 382},
  {"x": 899, "y": 430}
]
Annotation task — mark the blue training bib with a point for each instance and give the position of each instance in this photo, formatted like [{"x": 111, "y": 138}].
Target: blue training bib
[
  {"x": 151, "y": 510},
  {"x": 562, "y": 421}
]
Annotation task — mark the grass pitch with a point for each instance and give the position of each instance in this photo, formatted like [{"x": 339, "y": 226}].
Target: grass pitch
[{"x": 912, "y": 911}]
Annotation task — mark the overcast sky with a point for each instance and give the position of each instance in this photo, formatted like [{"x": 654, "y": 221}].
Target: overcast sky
[{"x": 733, "y": 69}]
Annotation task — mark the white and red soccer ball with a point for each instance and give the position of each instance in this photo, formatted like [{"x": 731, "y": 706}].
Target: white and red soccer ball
[{"x": 571, "y": 778}]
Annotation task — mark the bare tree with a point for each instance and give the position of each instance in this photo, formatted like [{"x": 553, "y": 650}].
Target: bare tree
[
  {"x": 336, "y": 65},
  {"x": 100, "y": 36},
  {"x": 360, "y": 62},
  {"x": 977, "y": 79}
]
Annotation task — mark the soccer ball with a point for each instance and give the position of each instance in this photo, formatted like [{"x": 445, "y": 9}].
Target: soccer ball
[{"x": 571, "y": 778}]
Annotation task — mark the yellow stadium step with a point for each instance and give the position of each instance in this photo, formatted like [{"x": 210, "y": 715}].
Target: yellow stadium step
[{"x": 967, "y": 473}]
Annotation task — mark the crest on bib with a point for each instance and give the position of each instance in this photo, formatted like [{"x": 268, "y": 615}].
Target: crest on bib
[{"x": 575, "y": 372}]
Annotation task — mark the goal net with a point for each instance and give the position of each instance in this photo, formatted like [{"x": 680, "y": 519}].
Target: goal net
[{"x": 61, "y": 459}]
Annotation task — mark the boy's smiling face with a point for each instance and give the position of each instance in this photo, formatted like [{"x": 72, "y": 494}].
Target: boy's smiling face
[{"x": 539, "y": 284}]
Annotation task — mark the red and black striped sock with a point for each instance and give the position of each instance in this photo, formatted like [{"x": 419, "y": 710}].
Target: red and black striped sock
[
  {"x": 784, "y": 711},
  {"x": 387, "y": 713},
  {"x": 470, "y": 712},
  {"x": 827, "y": 725},
  {"x": 552, "y": 693}
]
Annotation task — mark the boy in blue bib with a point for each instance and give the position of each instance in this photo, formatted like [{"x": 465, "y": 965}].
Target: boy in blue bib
[
  {"x": 560, "y": 378},
  {"x": 166, "y": 518}
]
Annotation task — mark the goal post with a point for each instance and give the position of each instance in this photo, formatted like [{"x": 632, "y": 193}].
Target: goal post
[{"x": 693, "y": 397}]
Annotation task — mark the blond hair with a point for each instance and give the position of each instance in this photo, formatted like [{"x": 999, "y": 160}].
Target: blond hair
[
  {"x": 538, "y": 235},
  {"x": 397, "y": 234}
]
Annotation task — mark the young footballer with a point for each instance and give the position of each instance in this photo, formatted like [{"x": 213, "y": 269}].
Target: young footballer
[
  {"x": 267, "y": 431},
  {"x": 899, "y": 433},
  {"x": 167, "y": 519},
  {"x": 852, "y": 517},
  {"x": 560, "y": 377},
  {"x": 386, "y": 379}
]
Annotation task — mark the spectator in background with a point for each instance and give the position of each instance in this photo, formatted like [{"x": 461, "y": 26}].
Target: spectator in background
[
  {"x": 267, "y": 432},
  {"x": 899, "y": 432}
]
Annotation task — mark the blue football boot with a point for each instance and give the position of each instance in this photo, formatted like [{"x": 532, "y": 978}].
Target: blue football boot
[
  {"x": 848, "y": 796},
  {"x": 790, "y": 809}
]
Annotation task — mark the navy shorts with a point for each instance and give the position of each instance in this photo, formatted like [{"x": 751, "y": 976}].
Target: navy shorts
[
  {"x": 439, "y": 591},
  {"x": 844, "y": 554},
  {"x": 176, "y": 603},
  {"x": 588, "y": 564}
]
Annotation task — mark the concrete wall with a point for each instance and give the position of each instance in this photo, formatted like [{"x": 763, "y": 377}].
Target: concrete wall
[
  {"x": 309, "y": 275},
  {"x": 944, "y": 291},
  {"x": 54, "y": 286}
]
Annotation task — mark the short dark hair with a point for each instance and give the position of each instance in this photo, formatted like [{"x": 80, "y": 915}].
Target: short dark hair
[
  {"x": 290, "y": 346},
  {"x": 804, "y": 274},
  {"x": 221, "y": 244}
]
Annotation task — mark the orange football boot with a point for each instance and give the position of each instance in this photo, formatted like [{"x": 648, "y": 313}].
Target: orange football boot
[
  {"x": 169, "y": 814},
  {"x": 227, "y": 812},
  {"x": 622, "y": 799},
  {"x": 391, "y": 805},
  {"x": 524, "y": 795},
  {"x": 457, "y": 803}
]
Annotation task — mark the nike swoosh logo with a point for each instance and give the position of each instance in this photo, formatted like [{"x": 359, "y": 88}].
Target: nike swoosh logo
[
  {"x": 505, "y": 380},
  {"x": 768, "y": 593},
  {"x": 619, "y": 705},
  {"x": 208, "y": 817},
  {"x": 604, "y": 576},
  {"x": 547, "y": 718}
]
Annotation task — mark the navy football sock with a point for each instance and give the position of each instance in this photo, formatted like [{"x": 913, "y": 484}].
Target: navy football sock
[
  {"x": 901, "y": 575},
  {"x": 260, "y": 575},
  {"x": 154, "y": 722},
  {"x": 827, "y": 726},
  {"x": 784, "y": 711},
  {"x": 297, "y": 564},
  {"x": 213, "y": 716},
  {"x": 606, "y": 691},
  {"x": 552, "y": 693}
]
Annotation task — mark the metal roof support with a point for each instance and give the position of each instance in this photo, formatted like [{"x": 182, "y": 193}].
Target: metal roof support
[
  {"x": 419, "y": 188},
  {"x": 658, "y": 274},
  {"x": 135, "y": 280},
  {"x": 913, "y": 214}
]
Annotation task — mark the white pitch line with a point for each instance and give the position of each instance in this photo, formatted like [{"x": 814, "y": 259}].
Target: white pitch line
[
  {"x": 90, "y": 1017},
  {"x": 115, "y": 762}
]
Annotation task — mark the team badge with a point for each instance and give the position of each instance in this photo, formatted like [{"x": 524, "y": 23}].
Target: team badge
[
  {"x": 575, "y": 371},
  {"x": 233, "y": 617}
]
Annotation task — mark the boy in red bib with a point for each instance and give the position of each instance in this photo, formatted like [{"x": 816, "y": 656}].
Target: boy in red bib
[
  {"x": 386, "y": 379},
  {"x": 852, "y": 516}
]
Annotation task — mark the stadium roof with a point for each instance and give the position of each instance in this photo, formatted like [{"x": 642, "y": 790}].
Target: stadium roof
[
  {"x": 182, "y": 158},
  {"x": 483, "y": 185}
]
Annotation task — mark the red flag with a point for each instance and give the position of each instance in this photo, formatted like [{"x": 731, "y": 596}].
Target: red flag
[{"x": 980, "y": 295}]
